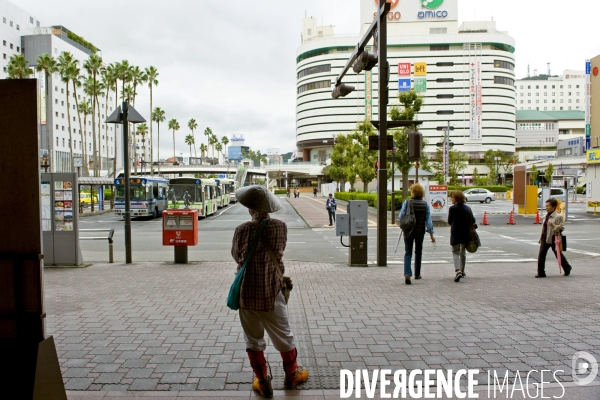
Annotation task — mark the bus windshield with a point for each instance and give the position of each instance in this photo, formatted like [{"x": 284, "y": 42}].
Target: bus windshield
[
  {"x": 136, "y": 192},
  {"x": 176, "y": 193}
]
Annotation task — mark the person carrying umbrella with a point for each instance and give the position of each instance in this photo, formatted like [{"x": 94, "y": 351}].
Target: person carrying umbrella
[{"x": 551, "y": 228}]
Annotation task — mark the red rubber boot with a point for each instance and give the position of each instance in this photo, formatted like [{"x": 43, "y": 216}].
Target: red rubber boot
[
  {"x": 294, "y": 375},
  {"x": 262, "y": 382}
]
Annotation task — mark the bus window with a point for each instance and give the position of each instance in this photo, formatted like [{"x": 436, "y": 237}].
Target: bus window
[{"x": 155, "y": 189}]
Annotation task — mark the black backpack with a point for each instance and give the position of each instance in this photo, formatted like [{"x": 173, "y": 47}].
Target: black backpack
[{"x": 408, "y": 221}]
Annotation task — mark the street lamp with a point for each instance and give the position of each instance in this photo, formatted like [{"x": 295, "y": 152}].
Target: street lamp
[{"x": 124, "y": 117}]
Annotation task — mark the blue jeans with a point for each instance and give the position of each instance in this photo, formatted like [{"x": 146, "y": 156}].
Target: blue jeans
[{"x": 408, "y": 249}]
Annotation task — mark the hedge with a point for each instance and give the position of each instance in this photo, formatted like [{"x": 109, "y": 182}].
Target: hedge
[
  {"x": 496, "y": 189},
  {"x": 371, "y": 198},
  {"x": 280, "y": 191}
]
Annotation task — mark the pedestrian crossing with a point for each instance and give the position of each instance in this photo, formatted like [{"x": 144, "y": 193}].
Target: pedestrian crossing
[{"x": 432, "y": 254}]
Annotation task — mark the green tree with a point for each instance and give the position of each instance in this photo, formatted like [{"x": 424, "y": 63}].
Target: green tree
[
  {"x": 218, "y": 147},
  {"x": 142, "y": 130},
  {"x": 151, "y": 75},
  {"x": 189, "y": 140},
  {"x": 203, "y": 150},
  {"x": 411, "y": 103},
  {"x": 66, "y": 68},
  {"x": 108, "y": 82},
  {"x": 45, "y": 62},
  {"x": 533, "y": 175},
  {"x": 158, "y": 116},
  {"x": 93, "y": 65},
  {"x": 86, "y": 109},
  {"x": 363, "y": 160},
  {"x": 193, "y": 125},
  {"x": 549, "y": 173},
  {"x": 341, "y": 161},
  {"x": 76, "y": 78},
  {"x": 137, "y": 76},
  {"x": 457, "y": 163},
  {"x": 17, "y": 67},
  {"x": 212, "y": 141},
  {"x": 173, "y": 124},
  {"x": 225, "y": 142}
]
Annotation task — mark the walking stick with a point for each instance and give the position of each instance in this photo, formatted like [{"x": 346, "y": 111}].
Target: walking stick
[{"x": 399, "y": 237}]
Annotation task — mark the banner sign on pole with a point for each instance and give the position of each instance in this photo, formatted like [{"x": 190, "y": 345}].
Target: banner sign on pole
[
  {"x": 588, "y": 138},
  {"x": 368, "y": 95}
]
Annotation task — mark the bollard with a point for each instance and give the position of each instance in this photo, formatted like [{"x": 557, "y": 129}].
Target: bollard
[{"x": 110, "y": 253}]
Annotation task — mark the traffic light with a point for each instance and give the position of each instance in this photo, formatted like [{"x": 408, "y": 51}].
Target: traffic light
[
  {"x": 364, "y": 62},
  {"x": 415, "y": 144},
  {"x": 342, "y": 90}
]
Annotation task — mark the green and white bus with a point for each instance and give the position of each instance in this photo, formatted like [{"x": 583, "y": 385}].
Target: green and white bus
[
  {"x": 201, "y": 194},
  {"x": 227, "y": 187}
]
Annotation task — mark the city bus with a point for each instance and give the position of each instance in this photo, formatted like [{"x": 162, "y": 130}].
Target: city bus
[
  {"x": 227, "y": 191},
  {"x": 148, "y": 196},
  {"x": 202, "y": 195}
]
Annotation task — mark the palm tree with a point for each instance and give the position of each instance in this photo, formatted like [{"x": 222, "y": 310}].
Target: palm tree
[
  {"x": 212, "y": 140},
  {"x": 76, "y": 79},
  {"x": 142, "y": 130},
  {"x": 108, "y": 80},
  {"x": 136, "y": 76},
  {"x": 225, "y": 142},
  {"x": 150, "y": 75},
  {"x": 193, "y": 125},
  {"x": 66, "y": 67},
  {"x": 17, "y": 67},
  {"x": 173, "y": 124},
  {"x": 47, "y": 63},
  {"x": 218, "y": 147},
  {"x": 113, "y": 72},
  {"x": 86, "y": 109},
  {"x": 92, "y": 65},
  {"x": 90, "y": 88},
  {"x": 124, "y": 73},
  {"x": 189, "y": 140},
  {"x": 203, "y": 150},
  {"x": 208, "y": 133},
  {"x": 158, "y": 116}
]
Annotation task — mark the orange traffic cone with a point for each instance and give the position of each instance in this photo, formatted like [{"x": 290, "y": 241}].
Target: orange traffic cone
[
  {"x": 511, "y": 219},
  {"x": 485, "y": 220},
  {"x": 537, "y": 219}
]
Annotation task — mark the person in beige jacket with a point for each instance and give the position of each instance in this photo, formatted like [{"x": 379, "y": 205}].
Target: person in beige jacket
[{"x": 553, "y": 226}]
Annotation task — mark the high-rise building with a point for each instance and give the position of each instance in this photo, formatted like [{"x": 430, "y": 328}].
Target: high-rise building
[
  {"x": 465, "y": 74},
  {"x": 552, "y": 93},
  {"x": 64, "y": 132}
]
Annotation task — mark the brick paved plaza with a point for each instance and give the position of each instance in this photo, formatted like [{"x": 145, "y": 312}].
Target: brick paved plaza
[{"x": 159, "y": 329}]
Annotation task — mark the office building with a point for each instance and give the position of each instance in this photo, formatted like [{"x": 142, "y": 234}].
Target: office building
[{"x": 552, "y": 93}]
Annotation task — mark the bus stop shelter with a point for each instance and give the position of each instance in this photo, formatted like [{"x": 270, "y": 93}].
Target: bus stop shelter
[{"x": 97, "y": 199}]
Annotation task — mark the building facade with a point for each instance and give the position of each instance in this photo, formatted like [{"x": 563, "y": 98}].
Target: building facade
[
  {"x": 465, "y": 74},
  {"x": 552, "y": 93},
  {"x": 15, "y": 23}
]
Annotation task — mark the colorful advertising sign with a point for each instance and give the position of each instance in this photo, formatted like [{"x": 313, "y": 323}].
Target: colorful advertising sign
[
  {"x": 403, "y": 85},
  {"x": 475, "y": 93},
  {"x": 420, "y": 84},
  {"x": 593, "y": 156},
  {"x": 42, "y": 97},
  {"x": 588, "y": 96},
  {"x": 404, "y": 69},
  {"x": 368, "y": 95},
  {"x": 420, "y": 68},
  {"x": 438, "y": 199}
]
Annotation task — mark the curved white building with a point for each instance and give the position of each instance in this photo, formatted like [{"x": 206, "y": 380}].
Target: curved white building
[{"x": 466, "y": 75}]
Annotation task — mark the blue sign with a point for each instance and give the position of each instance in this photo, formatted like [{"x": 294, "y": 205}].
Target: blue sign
[
  {"x": 403, "y": 85},
  {"x": 222, "y": 176},
  {"x": 588, "y": 67}
]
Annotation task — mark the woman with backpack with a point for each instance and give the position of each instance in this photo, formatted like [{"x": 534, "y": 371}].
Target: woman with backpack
[
  {"x": 415, "y": 220},
  {"x": 460, "y": 218}
]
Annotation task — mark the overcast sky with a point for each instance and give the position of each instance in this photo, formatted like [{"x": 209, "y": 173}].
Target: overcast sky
[{"x": 231, "y": 65}]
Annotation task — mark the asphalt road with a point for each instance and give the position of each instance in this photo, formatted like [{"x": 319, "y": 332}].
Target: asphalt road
[{"x": 500, "y": 242}]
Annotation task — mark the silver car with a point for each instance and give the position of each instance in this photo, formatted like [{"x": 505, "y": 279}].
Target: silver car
[
  {"x": 480, "y": 195},
  {"x": 556, "y": 193}
]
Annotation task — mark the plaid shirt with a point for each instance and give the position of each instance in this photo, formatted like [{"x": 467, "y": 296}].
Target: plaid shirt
[{"x": 262, "y": 281}]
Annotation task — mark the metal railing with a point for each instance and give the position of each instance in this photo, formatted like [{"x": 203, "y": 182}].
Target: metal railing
[{"x": 111, "y": 232}]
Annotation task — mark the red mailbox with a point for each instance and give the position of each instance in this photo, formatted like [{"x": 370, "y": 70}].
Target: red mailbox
[{"x": 180, "y": 227}]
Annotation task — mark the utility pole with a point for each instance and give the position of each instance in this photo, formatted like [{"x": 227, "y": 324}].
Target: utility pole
[{"x": 382, "y": 111}]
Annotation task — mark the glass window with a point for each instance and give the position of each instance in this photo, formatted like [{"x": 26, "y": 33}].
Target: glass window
[
  {"x": 314, "y": 70},
  {"x": 503, "y": 80},
  {"x": 314, "y": 85},
  {"x": 439, "y": 48},
  {"x": 505, "y": 65}
]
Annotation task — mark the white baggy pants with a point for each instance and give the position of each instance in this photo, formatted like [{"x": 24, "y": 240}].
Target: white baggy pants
[{"x": 276, "y": 324}]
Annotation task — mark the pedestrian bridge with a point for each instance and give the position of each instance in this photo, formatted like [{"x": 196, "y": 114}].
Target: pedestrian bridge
[{"x": 176, "y": 170}]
